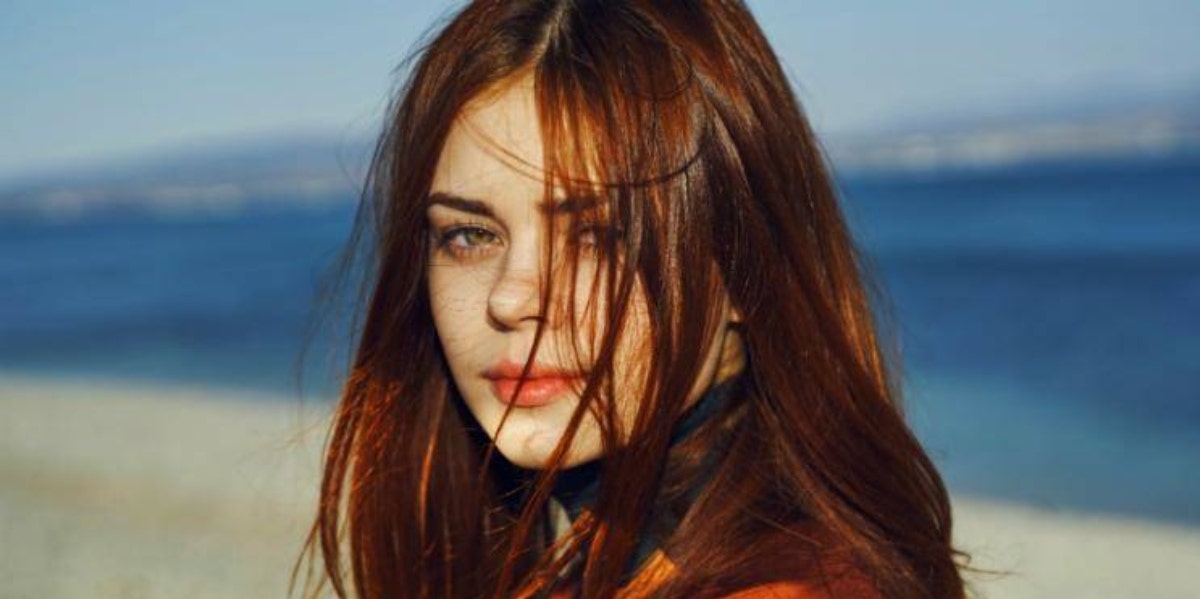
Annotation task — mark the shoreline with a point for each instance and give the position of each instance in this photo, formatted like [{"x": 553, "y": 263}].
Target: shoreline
[{"x": 129, "y": 490}]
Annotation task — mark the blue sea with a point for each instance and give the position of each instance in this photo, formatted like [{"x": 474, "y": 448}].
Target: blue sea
[{"x": 1046, "y": 314}]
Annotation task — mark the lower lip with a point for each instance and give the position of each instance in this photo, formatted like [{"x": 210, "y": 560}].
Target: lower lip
[{"x": 535, "y": 392}]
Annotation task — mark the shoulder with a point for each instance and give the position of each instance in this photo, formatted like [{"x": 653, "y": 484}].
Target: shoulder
[
  {"x": 842, "y": 589},
  {"x": 775, "y": 590},
  {"x": 819, "y": 568}
]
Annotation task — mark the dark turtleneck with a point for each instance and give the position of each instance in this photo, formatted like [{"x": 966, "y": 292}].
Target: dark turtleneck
[{"x": 576, "y": 488}]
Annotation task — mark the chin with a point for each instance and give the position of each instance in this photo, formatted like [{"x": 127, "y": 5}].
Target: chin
[
  {"x": 529, "y": 436},
  {"x": 533, "y": 449},
  {"x": 524, "y": 458}
]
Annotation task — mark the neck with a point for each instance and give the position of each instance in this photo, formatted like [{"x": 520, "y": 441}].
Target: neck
[{"x": 576, "y": 488}]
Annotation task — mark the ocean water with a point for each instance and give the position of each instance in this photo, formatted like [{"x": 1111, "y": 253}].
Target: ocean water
[
  {"x": 1046, "y": 315},
  {"x": 1048, "y": 319},
  {"x": 216, "y": 300}
]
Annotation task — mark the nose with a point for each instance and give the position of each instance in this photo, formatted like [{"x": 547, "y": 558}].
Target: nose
[{"x": 515, "y": 297}]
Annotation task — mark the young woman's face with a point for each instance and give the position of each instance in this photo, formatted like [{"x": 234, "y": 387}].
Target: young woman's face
[{"x": 488, "y": 229}]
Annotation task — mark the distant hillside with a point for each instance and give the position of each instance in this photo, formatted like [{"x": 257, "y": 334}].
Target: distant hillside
[
  {"x": 1100, "y": 124},
  {"x": 215, "y": 177},
  {"x": 319, "y": 169}
]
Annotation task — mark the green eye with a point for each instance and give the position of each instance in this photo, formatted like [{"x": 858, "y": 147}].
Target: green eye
[
  {"x": 593, "y": 234},
  {"x": 588, "y": 234},
  {"x": 463, "y": 241},
  {"x": 475, "y": 236}
]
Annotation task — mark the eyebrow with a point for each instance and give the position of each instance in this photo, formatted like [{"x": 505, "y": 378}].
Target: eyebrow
[{"x": 567, "y": 205}]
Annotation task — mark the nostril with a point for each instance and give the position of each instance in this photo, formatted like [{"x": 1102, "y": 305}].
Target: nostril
[{"x": 515, "y": 298}]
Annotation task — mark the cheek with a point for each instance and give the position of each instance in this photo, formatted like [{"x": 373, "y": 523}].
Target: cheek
[
  {"x": 633, "y": 347},
  {"x": 631, "y": 370},
  {"x": 631, "y": 358},
  {"x": 592, "y": 313},
  {"x": 458, "y": 302}
]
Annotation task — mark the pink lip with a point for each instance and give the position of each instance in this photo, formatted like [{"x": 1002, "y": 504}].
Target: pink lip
[
  {"x": 542, "y": 386},
  {"x": 535, "y": 392}
]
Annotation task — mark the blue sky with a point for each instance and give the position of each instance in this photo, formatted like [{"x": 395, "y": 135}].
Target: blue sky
[{"x": 84, "y": 81}]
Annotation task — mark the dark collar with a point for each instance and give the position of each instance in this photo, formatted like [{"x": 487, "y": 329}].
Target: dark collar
[{"x": 576, "y": 487}]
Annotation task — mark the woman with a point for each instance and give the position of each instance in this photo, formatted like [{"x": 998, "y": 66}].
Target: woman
[{"x": 616, "y": 343}]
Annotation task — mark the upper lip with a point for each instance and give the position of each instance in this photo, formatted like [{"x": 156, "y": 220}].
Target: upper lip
[{"x": 508, "y": 369}]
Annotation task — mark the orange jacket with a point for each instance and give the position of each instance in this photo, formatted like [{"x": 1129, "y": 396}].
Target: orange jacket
[{"x": 792, "y": 590}]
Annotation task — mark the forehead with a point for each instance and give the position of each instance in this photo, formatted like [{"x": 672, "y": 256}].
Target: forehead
[{"x": 494, "y": 147}]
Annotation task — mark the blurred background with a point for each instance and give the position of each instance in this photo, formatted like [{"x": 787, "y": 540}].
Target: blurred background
[{"x": 177, "y": 178}]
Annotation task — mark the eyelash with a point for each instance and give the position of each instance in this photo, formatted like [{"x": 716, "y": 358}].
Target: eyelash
[{"x": 445, "y": 237}]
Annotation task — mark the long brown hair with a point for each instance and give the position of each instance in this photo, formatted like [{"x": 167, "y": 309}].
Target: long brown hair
[{"x": 679, "y": 118}]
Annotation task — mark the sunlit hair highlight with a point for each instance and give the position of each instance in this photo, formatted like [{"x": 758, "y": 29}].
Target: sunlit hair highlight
[{"x": 677, "y": 120}]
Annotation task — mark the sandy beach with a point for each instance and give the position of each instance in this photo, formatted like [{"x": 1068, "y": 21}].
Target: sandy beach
[{"x": 115, "y": 490}]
